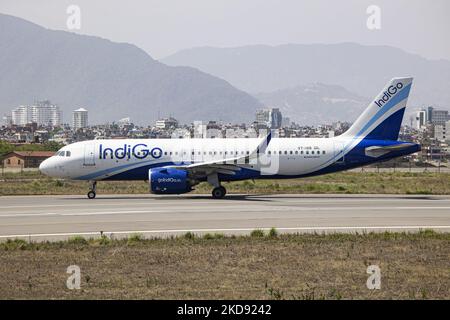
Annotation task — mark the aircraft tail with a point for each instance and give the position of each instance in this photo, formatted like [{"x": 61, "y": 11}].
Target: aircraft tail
[{"x": 383, "y": 117}]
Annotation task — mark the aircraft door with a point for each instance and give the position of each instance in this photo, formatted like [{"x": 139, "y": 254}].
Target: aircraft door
[{"x": 89, "y": 154}]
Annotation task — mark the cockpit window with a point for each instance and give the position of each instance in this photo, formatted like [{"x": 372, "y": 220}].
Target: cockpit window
[{"x": 61, "y": 154}]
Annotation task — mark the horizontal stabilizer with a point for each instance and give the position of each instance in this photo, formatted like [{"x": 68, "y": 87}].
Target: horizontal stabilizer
[{"x": 378, "y": 151}]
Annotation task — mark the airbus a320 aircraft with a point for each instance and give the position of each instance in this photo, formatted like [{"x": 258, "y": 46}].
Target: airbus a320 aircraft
[{"x": 175, "y": 166}]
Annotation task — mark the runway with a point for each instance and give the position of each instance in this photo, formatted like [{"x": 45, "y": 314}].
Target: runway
[{"x": 61, "y": 217}]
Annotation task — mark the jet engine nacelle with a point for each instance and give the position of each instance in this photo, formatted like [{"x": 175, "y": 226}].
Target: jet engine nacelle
[{"x": 168, "y": 181}]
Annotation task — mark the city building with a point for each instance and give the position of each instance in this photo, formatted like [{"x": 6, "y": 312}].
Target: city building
[
  {"x": 20, "y": 116},
  {"x": 79, "y": 119},
  {"x": 43, "y": 113},
  {"x": 421, "y": 119},
  {"x": 199, "y": 129},
  {"x": 442, "y": 131},
  {"x": 439, "y": 117},
  {"x": 272, "y": 118},
  {"x": 166, "y": 123}
]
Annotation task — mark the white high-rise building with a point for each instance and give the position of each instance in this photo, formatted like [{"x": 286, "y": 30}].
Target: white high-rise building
[
  {"x": 20, "y": 116},
  {"x": 79, "y": 119},
  {"x": 43, "y": 113},
  {"x": 421, "y": 119}
]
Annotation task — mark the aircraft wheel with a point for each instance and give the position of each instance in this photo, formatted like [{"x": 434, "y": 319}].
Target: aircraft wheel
[
  {"x": 219, "y": 192},
  {"x": 91, "y": 194}
]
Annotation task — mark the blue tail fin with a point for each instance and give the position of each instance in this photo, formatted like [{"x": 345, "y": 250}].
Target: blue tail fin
[{"x": 383, "y": 117}]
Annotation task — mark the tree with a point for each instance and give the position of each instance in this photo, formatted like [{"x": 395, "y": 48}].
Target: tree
[{"x": 5, "y": 147}]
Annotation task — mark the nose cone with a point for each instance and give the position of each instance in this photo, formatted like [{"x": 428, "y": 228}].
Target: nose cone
[{"x": 44, "y": 167}]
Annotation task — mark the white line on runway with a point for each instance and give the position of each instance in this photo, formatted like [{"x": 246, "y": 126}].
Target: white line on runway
[
  {"x": 230, "y": 208},
  {"x": 115, "y": 202},
  {"x": 227, "y": 230}
]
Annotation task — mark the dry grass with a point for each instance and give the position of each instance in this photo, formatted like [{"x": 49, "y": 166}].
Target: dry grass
[
  {"x": 413, "y": 266},
  {"x": 345, "y": 182}
]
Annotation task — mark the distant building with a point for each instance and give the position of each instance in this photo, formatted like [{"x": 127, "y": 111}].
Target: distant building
[
  {"x": 421, "y": 119},
  {"x": 286, "y": 122},
  {"x": 124, "y": 121},
  {"x": 429, "y": 111},
  {"x": 25, "y": 159},
  {"x": 262, "y": 116},
  {"x": 7, "y": 120},
  {"x": 439, "y": 117},
  {"x": 166, "y": 123},
  {"x": 43, "y": 113},
  {"x": 20, "y": 116},
  {"x": 275, "y": 118},
  {"x": 442, "y": 131},
  {"x": 200, "y": 129},
  {"x": 181, "y": 133},
  {"x": 272, "y": 118},
  {"x": 79, "y": 119}
]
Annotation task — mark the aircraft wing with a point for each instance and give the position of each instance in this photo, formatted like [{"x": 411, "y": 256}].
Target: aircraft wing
[{"x": 228, "y": 165}]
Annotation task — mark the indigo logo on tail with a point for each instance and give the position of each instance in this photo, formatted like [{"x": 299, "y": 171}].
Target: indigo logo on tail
[{"x": 388, "y": 94}]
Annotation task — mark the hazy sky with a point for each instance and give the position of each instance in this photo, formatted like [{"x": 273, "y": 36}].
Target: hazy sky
[{"x": 162, "y": 27}]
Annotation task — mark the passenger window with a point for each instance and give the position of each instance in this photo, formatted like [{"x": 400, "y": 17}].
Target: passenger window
[
  {"x": 285, "y": 152},
  {"x": 301, "y": 152},
  {"x": 312, "y": 152},
  {"x": 323, "y": 152},
  {"x": 269, "y": 152},
  {"x": 307, "y": 152},
  {"x": 290, "y": 152},
  {"x": 279, "y": 152}
]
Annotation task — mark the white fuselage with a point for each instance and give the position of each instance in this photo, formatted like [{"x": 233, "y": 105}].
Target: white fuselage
[{"x": 103, "y": 159}]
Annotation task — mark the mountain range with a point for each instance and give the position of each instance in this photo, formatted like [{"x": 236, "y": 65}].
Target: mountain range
[
  {"x": 360, "y": 69},
  {"x": 316, "y": 103},
  {"x": 311, "y": 84},
  {"x": 111, "y": 80}
]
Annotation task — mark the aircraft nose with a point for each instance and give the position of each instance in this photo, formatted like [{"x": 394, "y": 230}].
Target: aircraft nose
[{"x": 44, "y": 167}]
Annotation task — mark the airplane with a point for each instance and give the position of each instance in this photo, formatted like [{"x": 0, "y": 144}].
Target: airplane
[{"x": 176, "y": 166}]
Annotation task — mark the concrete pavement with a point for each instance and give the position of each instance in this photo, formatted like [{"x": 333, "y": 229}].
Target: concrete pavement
[{"x": 60, "y": 217}]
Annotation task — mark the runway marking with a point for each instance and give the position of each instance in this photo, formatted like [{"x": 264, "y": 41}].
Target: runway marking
[
  {"x": 227, "y": 230},
  {"x": 227, "y": 209}
]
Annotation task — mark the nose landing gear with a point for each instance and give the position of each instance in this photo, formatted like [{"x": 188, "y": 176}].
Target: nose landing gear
[{"x": 91, "y": 194}]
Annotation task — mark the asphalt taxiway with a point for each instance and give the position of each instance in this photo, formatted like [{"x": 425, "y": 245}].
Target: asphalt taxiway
[{"x": 61, "y": 217}]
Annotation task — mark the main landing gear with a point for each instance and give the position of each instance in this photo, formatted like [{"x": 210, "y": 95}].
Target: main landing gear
[
  {"x": 91, "y": 194},
  {"x": 218, "y": 192}
]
